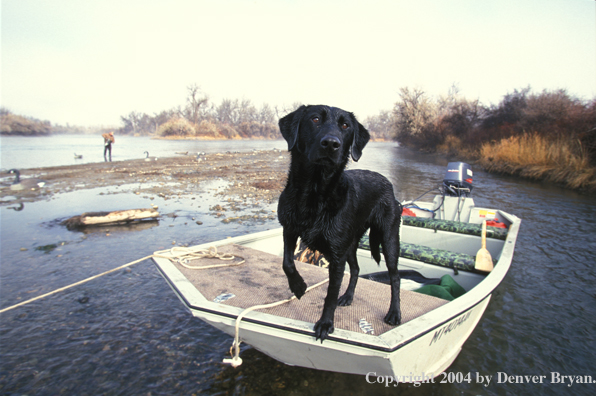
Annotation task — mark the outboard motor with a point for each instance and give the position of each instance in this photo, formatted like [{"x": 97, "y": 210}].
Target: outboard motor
[{"x": 458, "y": 179}]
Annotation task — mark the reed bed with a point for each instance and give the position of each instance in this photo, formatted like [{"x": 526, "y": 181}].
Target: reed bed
[{"x": 553, "y": 159}]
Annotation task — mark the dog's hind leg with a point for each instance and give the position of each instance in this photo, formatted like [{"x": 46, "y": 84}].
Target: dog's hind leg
[
  {"x": 348, "y": 296},
  {"x": 297, "y": 284}
]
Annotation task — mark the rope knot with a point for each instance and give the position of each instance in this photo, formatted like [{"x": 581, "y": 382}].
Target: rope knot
[{"x": 183, "y": 256}]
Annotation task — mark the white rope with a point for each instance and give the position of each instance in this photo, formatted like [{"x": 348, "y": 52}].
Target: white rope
[
  {"x": 236, "y": 361},
  {"x": 73, "y": 285},
  {"x": 182, "y": 258},
  {"x": 188, "y": 254}
]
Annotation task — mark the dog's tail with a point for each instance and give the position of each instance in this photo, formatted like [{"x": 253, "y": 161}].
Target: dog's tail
[{"x": 374, "y": 239}]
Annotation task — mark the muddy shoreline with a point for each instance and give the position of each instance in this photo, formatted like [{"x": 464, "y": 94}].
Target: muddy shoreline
[{"x": 258, "y": 176}]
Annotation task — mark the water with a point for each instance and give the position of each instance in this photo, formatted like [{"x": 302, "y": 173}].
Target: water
[
  {"x": 33, "y": 152},
  {"x": 127, "y": 333}
]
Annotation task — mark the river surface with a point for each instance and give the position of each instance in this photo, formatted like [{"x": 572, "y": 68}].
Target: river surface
[
  {"x": 127, "y": 334},
  {"x": 34, "y": 152}
]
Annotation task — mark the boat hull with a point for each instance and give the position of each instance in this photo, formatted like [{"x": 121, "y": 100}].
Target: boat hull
[{"x": 424, "y": 355}]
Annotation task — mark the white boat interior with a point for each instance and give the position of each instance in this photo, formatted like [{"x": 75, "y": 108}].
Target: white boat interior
[
  {"x": 438, "y": 238},
  {"x": 260, "y": 280}
]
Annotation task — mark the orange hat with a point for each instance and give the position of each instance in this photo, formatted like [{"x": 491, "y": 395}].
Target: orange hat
[{"x": 112, "y": 133}]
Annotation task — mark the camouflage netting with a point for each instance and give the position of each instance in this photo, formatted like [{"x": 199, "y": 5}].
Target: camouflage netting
[
  {"x": 425, "y": 254},
  {"x": 455, "y": 226}
]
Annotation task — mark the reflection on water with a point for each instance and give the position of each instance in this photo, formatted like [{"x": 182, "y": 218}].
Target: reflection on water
[
  {"x": 120, "y": 228},
  {"x": 127, "y": 333}
]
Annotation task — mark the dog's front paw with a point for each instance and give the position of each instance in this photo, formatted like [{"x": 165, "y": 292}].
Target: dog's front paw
[
  {"x": 393, "y": 317},
  {"x": 297, "y": 285},
  {"x": 345, "y": 300},
  {"x": 323, "y": 328}
]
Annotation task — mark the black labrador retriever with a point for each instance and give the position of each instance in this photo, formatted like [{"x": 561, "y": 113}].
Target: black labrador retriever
[{"x": 331, "y": 209}]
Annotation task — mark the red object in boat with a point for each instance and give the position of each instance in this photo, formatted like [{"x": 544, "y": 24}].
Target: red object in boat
[
  {"x": 408, "y": 212},
  {"x": 495, "y": 223}
]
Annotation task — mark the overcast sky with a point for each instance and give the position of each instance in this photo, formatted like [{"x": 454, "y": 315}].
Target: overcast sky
[{"x": 88, "y": 62}]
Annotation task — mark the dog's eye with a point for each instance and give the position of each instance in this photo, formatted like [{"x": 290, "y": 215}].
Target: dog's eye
[
  {"x": 316, "y": 120},
  {"x": 345, "y": 126}
]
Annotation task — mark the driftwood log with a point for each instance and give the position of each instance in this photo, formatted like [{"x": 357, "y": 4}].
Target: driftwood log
[{"x": 115, "y": 217}]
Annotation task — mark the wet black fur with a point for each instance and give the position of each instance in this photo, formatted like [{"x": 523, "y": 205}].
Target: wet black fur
[{"x": 330, "y": 209}]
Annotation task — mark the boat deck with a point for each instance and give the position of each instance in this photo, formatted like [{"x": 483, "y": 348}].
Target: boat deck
[{"x": 261, "y": 280}]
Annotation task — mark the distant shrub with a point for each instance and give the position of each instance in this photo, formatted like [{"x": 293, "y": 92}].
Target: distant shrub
[
  {"x": 269, "y": 131},
  {"x": 227, "y": 131},
  {"x": 176, "y": 127},
  {"x": 459, "y": 118},
  {"x": 588, "y": 142},
  {"x": 207, "y": 129},
  {"x": 254, "y": 129},
  {"x": 427, "y": 124}
]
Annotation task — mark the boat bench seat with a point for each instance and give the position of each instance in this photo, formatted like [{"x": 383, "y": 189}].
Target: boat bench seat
[
  {"x": 454, "y": 226},
  {"x": 425, "y": 254}
]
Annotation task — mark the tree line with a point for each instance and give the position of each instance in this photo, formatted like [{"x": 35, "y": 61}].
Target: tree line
[
  {"x": 230, "y": 119},
  {"x": 18, "y": 125},
  {"x": 200, "y": 117},
  {"x": 13, "y": 124},
  {"x": 452, "y": 123}
]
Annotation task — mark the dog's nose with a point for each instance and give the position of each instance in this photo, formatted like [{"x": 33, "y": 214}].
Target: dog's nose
[{"x": 330, "y": 142}]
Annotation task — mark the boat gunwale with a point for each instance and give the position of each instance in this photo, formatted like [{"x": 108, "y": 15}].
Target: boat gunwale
[{"x": 389, "y": 341}]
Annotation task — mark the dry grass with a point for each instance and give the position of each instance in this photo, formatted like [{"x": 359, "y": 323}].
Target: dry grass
[
  {"x": 536, "y": 157},
  {"x": 454, "y": 146}
]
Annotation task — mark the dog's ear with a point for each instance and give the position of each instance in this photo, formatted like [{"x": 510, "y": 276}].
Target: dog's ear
[
  {"x": 289, "y": 126},
  {"x": 361, "y": 137}
]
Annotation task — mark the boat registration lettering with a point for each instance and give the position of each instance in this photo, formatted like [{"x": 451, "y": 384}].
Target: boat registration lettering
[{"x": 450, "y": 327}]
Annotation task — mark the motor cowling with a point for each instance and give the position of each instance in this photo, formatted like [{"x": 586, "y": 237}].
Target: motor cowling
[{"x": 458, "y": 179}]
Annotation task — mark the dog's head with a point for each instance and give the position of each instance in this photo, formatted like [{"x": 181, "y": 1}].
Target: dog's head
[{"x": 324, "y": 134}]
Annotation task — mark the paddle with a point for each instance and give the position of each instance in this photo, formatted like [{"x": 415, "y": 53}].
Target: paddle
[{"x": 484, "y": 262}]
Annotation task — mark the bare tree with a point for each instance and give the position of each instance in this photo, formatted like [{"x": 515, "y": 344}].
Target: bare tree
[
  {"x": 131, "y": 122},
  {"x": 227, "y": 112},
  {"x": 247, "y": 111},
  {"x": 282, "y": 110},
  {"x": 266, "y": 115},
  {"x": 415, "y": 118},
  {"x": 380, "y": 126},
  {"x": 194, "y": 101}
]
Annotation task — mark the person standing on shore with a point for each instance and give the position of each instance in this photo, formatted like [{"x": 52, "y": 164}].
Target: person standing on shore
[{"x": 108, "y": 140}]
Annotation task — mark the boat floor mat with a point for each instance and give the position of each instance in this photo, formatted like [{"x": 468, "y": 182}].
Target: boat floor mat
[{"x": 261, "y": 280}]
